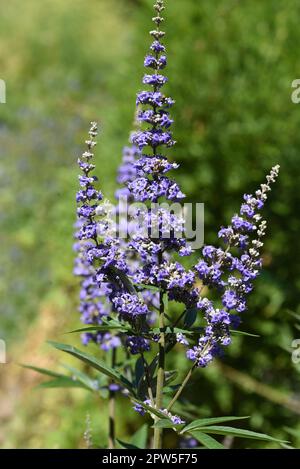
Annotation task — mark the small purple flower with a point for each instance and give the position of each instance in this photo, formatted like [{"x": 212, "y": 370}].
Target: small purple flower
[
  {"x": 155, "y": 79},
  {"x": 109, "y": 342},
  {"x": 230, "y": 299},
  {"x": 129, "y": 305},
  {"x": 156, "y": 46},
  {"x": 137, "y": 345}
]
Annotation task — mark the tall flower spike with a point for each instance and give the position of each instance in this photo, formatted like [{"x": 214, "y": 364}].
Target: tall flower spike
[
  {"x": 154, "y": 113},
  {"x": 152, "y": 183},
  {"x": 234, "y": 275},
  {"x": 94, "y": 290}
]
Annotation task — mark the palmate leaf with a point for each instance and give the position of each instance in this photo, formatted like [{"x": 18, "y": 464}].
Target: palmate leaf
[
  {"x": 94, "y": 363},
  {"x": 202, "y": 428},
  {"x": 201, "y": 423},
  {"x": 206, "y": 440},
  {"x": 238, "y": 432}
]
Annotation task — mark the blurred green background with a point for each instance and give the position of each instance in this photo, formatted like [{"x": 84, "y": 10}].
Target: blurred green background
[{"x": 65, "y": 63}]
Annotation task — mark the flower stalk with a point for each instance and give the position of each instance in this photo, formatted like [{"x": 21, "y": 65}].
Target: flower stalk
[
  {"x": 158, "y": 432},
  {"x": 112, "y": 407}
]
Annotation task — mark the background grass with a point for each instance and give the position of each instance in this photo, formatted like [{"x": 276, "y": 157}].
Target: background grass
[{"x": 231, "y": 65}]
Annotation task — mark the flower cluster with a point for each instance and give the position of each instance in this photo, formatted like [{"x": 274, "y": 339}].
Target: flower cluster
[
  {"x": 131, "y": 278},
  {"x": 232, "y": 275},
  {"x": 97, "y": 251},
  {"x": 142, "y": 411},
  {"x": 160, "y": 233},
  {"x": 92, "y": 308}
]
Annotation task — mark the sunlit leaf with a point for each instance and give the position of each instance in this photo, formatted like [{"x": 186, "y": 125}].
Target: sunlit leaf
[
  {"x": 201, "y": 423},
  {"x": 238, "y": 432}
]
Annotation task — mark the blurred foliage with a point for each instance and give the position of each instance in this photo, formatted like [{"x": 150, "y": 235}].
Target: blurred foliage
[{"x": 231, "y": 65}]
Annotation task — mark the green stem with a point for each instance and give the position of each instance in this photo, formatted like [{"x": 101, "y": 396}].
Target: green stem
[
  {"x": 158, "y": 432},
  {"x": 112, "y": 409},
  {"x": 181, "y": 388}
]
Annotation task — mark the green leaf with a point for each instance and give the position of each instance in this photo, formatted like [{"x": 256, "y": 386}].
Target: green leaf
[
  {"x": 167, "y": 423},
  {"x": 139, "y": 439},
  {"x": 171, "y": 389},
  {"x": 170, "y": 376},
  {"x": 247, "y": 334},
  {"x": 295, "y": 315},
  {"x": 63, "y": 382},
  {"x": 111, "y": 324},
  {"x": 238, "y": 432},
  {"x": 285, "y": 446},
  {"x": 94, "y": 363},
  {"x": 126, "y": 445},
  {"x": 139, "y": 371},
  {"x": 153, "y": 365},
  {"x": 201, "y": 423},
  {"x": 43, "y": 371},
  {"x": 190, "y": 317},
  {"x": 292, "y": 432},
  {"x": 206, "y": 440},
  {"x": 90, "y": 383}
]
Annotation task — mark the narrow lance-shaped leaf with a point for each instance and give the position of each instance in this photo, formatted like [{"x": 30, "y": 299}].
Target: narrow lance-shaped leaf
[
  {"x": 125, "y": 445},
  {"x": 62, "y": 381},
  {"x": 43, "y": 371},
  {"x": 103, "y": 328},
  {"x": 95, "y": 363},
  {"x": 92, "y": 384},
  {"x": 238, "y": 432},
  {"x": 201, "y": 423},
  {"x": 206, "y": 440},
  {"x": 247, "y": 334}
]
